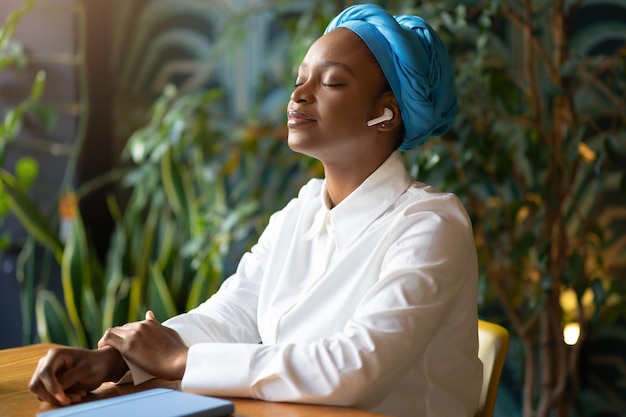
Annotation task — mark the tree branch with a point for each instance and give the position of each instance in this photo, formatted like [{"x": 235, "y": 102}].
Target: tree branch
[{"x": 526, "y": 25}]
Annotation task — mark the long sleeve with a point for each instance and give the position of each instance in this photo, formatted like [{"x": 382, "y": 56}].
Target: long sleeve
[{"x": 370, "y": 304}]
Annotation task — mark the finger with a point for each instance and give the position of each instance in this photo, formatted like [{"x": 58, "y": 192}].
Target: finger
[
  {"x": 76, "y": 394},
  {"x": 51, "y": 386},
  {"x": 75, "y": 397},
  {"x": 46, "y": 376},
  {"x": 101, "y": 342},
  {"x": 111, "y": 338},
  {"x": 73, "y": 377},
  {"x": 150, "y": 315},
  {"x": 108, "y": 334},
  {"x": 36, "y": 386}
]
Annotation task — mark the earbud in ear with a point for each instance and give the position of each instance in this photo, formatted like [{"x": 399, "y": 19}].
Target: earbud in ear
[{"x": 387, "y": 115}]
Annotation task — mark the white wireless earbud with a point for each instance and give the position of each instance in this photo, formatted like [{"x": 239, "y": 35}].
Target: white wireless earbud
[{"x": 387, "y": 115}]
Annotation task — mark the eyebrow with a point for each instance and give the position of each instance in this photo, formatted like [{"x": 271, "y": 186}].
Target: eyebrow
[{"x": 327, "y": 64}]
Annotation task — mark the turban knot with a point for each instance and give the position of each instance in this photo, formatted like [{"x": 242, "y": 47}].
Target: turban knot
[{"x": 415, "y": 63}]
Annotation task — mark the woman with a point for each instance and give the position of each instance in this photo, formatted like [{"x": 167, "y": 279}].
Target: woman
[{"x": 362, "y": 290}]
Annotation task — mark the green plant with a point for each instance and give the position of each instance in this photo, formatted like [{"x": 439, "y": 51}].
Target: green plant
[
  {"x": 15, "y": 185},
  {"x": 170, "y": 235},
  {"x": 537, "y": 146},
  {"x": 533, "y": 163},
  {"x": 183, "y": 209},
  {"x": 18, "y": 197}
]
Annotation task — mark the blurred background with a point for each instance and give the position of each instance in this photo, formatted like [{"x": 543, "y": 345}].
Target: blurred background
[{"x": 143, "y": 147}]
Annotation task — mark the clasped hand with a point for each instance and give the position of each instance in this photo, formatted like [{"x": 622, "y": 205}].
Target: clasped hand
[{"x": 66, "y": 375}]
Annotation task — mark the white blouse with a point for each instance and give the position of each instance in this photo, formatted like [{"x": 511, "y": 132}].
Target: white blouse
[{"x": 371, "y": 304}]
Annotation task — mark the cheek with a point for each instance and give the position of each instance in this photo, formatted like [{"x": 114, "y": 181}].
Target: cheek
[{"x": 345, "y": 116}]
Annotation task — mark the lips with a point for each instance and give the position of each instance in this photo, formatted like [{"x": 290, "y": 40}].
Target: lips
[{"x": 296, "y": 118}]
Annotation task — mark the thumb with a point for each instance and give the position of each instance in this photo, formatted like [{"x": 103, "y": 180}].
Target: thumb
[{"x": 150, "y": 315}]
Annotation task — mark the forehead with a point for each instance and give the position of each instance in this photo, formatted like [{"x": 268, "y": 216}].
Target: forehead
[{"x": 342, "y": 46}]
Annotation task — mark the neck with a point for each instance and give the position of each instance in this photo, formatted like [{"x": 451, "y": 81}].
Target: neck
[{"x": 342, "y": 180}]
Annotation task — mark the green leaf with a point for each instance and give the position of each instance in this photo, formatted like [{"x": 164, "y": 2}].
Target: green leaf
[
  {"x": 25, "y": 274},
  {"x": 116, "y": 299},
  {"x": 38, "y": 86},
  {"x": 76, "y": 275},
  {"x": 204, "y": 283},
  {"x": 166, "y": 240},
  {"x": 26, "y": 172},
  {"x": 5, "y": 241},
  {"x": 12, "y": 124},
  {"x": 160, "y": 299},
  {"x": 92, "y": 318},
  {"x": 44, "y": 114},
  {"x": 53, "y": 324},
  {"x": 146, "y": 244},
  {"x": 4, "y": 204},
  {"x": 29, "y": 215},
  {"x": 173, "y": 186}
]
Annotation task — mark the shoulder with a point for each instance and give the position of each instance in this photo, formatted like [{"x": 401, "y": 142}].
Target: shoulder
[
  {"x": 432, "y": 226},
  {"x": 421, "y": 199}
]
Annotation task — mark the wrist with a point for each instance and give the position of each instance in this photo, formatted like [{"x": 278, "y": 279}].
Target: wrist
[
  {"x": 181, "y": 363},
  {"x": 116, "y": 366}
]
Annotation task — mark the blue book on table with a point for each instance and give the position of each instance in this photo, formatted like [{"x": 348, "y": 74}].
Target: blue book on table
[{"x": 157, "y": 402}]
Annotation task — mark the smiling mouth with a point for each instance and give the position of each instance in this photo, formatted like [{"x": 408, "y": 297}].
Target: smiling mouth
[{"x": 295, "y": 118}]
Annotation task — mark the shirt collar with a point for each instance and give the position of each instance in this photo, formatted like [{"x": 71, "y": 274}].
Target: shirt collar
[{"x": 365, "y": 204}]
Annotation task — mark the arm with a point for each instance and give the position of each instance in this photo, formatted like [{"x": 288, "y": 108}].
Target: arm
[
  {"x": 426, "y": 276},
  {"x": 65, "y": 375},
  {"x": 156, "y": 349}
]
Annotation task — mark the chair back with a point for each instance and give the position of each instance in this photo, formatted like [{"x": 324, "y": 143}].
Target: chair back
[{"x": 493, "y": 344}]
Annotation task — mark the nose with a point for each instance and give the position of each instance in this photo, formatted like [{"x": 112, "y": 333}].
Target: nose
[{"x": 301, "y": 93}]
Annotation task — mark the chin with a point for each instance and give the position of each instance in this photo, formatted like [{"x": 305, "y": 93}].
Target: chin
[
  {"x": 308, "y": 145},
  {"x": 296, "y": 144}
]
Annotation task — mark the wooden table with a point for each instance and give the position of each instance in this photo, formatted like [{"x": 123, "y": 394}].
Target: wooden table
[{"x": 16, "y": 400}]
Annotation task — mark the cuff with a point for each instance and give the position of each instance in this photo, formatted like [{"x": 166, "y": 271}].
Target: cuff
[
  {"x": 135, "y": 374},
  {"x": 220, "y": 369}
]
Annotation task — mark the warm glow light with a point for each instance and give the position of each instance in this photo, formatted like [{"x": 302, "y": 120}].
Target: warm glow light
[
  {"x": 569, "y": 302},
  {"x": 586, "y": 152},
  {"x": 571, "y": 333}
]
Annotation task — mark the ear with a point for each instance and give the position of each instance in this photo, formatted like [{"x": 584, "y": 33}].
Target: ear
[{"x": 390, "y": 102}]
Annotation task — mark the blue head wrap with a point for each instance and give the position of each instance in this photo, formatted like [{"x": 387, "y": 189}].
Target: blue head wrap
[{"x": 416, "y": 64}]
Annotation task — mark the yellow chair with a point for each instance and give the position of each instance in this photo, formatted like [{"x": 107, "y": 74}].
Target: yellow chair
[{"x": 493, "y": 343}]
